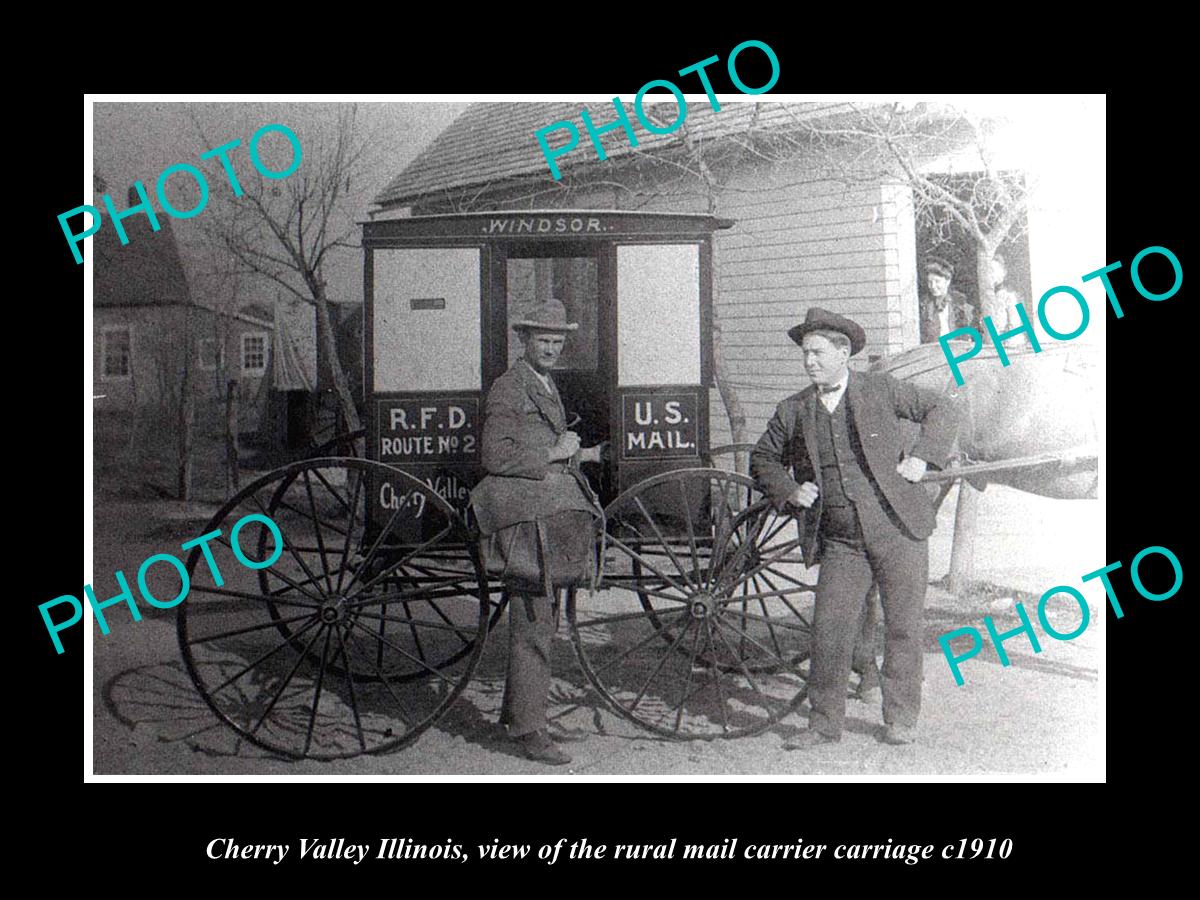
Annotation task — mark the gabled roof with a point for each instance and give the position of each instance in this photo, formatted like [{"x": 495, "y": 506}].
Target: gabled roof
[
  {"x": 495, "y": 141},
  {"x": 147, "y": 271}
]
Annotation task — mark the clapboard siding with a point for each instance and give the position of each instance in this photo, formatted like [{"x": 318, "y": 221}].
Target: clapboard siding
[{"x": 799, "y": 241}]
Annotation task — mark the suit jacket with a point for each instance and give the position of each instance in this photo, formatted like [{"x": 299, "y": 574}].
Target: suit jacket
[
  {"x": 962, "y": 315},
  {"x": 522, "y": 421},
  {"x": 787, "y": 455}
]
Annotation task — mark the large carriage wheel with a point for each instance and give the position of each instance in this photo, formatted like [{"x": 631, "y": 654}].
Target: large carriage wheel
[
  {"x": 362, "y": 630},
  {"x": 677, "y": 641}
]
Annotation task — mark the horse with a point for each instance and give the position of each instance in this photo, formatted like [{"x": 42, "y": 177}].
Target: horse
[{"x": 1032, "y": 425}]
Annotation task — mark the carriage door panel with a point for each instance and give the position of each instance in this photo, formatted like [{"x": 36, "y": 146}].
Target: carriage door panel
[
  {"x": 426, "y": 327},
  {"x": 424, "y": 415},
  {"x": 661, "y": 415}
]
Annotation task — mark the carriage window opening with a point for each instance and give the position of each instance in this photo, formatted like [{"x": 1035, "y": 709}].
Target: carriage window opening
[
  {"x": 574, "y": 281},
  {"x": 212, "y": 354},
  {"x": 115, "y": 351},
  {"x": 254, "y": 353}
]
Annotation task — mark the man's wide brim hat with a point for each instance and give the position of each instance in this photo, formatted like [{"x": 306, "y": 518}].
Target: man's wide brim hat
[
  {"x": 818, "y": 319},
  {"x": 548, "y": 316}
]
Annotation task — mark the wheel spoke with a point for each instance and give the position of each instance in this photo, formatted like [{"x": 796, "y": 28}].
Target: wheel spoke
[
  {"x": 663, "y": 541},
  {"x": 662, "y": 662},
  {"x": 312, "y": 504},
  {"x": 737, "y": 657},
  {"x": 246, "y": 595},
  {"x": 312, "y": 718},
  {"x": 626, "y": 617},
  {"x": 386, "y": 570},
  {"x": 744, "y": 545},
  {"x": 687, "y": 682},
  {"x": 784, "y": 600},
  {"x": 404, "y": 716},
  {"x": 687, "y": 517},
  {"x": 770, "y": 621},
  {"x": 649, "y": 592},
  {"x": 654, "y": 635},
  {"x": 353, "y": 510},
  {"x": 411, "y": 627},
  {"x": 370, "y": 554},
  {"x": 288, "y": 680},
  {"x": 643, "y": 561},
  {"x": 764, "y": 563},
  {"x": 423, "y": 586},
  {"x": 265, "y": 656},
  {"x": 786, "y": 577},
  {"x": 441, "y": 615},
  {"x": 719, "y": 537},
  {"x": 421, "y": 622},
  {"x": 280, "y": 503},
  {"x": 404, "y": 652},
  {"x": 221, "y": 635},
  {"x": 288, "y": 547},
  {"x": 763, "y": 647},
  {"x": 713, "y": 670},
  {"x": 362, "y": 740},
  {"x": 770, "y": 628},
  {"x": 329, "y": 487}
]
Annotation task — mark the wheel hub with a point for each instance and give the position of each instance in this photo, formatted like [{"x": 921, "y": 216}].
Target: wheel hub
[
  {"x": 333, "y": 612},
  {"x": 703, "y": 605}
]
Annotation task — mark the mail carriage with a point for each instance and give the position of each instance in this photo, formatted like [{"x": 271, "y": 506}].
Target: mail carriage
[{"x": 349, "y": 611}]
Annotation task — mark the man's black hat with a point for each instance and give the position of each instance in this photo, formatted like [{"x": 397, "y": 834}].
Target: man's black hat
[
  {"x": 818, "y": 319},
  {"x": 940, "y": 264}
]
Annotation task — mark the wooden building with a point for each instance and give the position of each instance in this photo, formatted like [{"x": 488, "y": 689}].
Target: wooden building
[{"x": 802, "y": 237}]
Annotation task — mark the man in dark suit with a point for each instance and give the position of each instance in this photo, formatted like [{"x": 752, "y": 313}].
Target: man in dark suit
[
  {"x": 525, "y": 450},
  {"x": 943, "y": 309},
  {"x": 835, "y": 449}
]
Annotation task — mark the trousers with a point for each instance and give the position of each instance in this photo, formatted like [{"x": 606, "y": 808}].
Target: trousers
[
  {"x": 899, "y": 564},
  {"x": 527, "y": 685}
]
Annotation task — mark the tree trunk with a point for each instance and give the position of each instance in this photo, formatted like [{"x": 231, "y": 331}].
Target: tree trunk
[
  {"x": 987, "y": 294},
  {"x": 325, "y": 334},
  {"x": 184, "y": 482},
  {"x": 962, "y": 554},
  {"x": 232, "y": 480},
  {"x": 729, "y": 396},
  {"x": 728, "y": 392}
]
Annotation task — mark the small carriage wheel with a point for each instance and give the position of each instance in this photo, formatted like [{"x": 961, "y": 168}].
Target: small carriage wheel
[
  {"x": 438, "y": 566},
  {"x": 671, "y": 642},
  {"x": 769, "y": 584},
  {"x": 282, "y": 664},
  {"x": 350, "y": 443}
]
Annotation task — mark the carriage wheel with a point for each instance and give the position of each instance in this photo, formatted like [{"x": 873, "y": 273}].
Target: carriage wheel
[
  {"x": 360, "y": 632},
  {"x": 675, "y": 642},
  {"x": 447, "y": 569}
]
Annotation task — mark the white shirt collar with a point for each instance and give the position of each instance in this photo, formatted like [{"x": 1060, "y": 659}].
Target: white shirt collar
[{"x": 831, "y": 399}]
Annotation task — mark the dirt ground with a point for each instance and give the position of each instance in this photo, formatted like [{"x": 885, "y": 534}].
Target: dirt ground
[{"x": 1040, "y": 715}]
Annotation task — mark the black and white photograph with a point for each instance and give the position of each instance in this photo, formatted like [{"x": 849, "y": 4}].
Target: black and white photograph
[{"x": 687, "y": 436}]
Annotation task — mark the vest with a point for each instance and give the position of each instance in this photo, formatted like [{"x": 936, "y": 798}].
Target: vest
[{"x": 845, "y": 484}]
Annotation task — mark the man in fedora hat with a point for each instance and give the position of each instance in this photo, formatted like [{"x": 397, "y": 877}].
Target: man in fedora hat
[
  {"x": 834, "y": 449},
  {"x": 943, "y": 309},
  {"x": 525, "y": 451}
]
